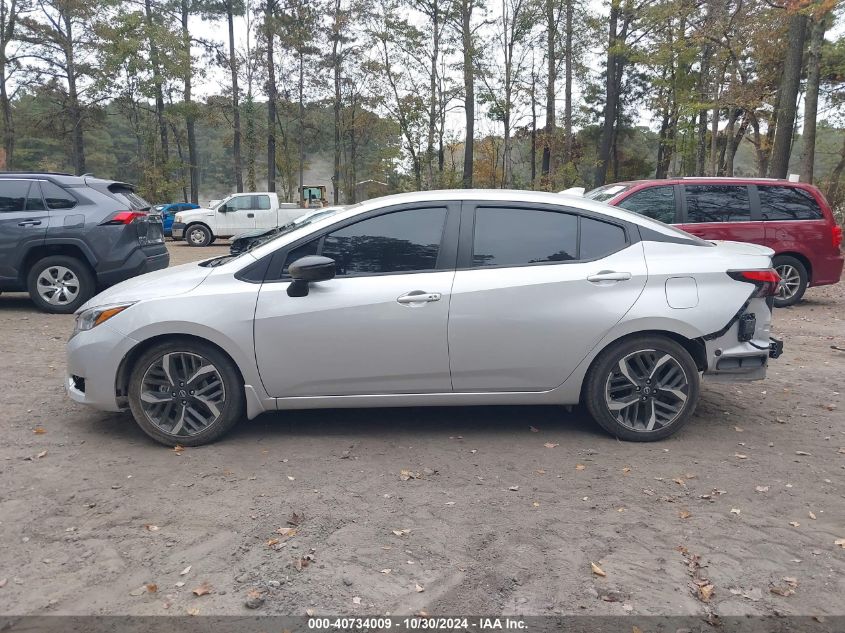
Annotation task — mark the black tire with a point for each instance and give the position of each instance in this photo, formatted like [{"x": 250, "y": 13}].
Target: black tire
[
  {"x": 198, "y": 235},
  {"x": 792, "y": 271},
  {"x": 75, "y": 275},
  {"x": 231, "y": 409},
  {"x": 605, "y": 379}
]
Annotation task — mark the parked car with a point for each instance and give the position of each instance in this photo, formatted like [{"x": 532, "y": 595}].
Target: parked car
[
  {"x": 438, "y": 298},
  {"x": 234, "y": 214},
  {"x": 792, "y": 218},
  {"x": 251, "y": 239},
  {"x": 62, "y": 237},
  {"x": 168, "y": 211}
]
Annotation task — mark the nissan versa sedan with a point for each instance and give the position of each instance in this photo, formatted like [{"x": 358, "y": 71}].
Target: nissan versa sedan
[{"x": 437, "y": 298}]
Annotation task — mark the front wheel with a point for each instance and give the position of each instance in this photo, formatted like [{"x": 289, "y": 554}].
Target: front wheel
[
  {"x": 642, "y": 389},
  {"x": 198, "y": 235},
  {"x": 185, "y": 393},
  {"x": 793, "y": 280}
]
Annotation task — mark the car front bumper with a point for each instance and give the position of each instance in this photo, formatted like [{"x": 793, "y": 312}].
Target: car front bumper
[
  {"x": 93, "y": 360},
  {"x": 178, "y": 230}
]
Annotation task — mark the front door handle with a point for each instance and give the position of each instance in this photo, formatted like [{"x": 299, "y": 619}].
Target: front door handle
[
  {"x": 250, "y": 215},
  {"x": 30, "y": 223},
  {"x": 418, "y": 297},
  {"x": 608, "y": 275}
]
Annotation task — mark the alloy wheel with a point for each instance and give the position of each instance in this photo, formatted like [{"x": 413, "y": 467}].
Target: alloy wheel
[
  {"x": 790, "y": 281},
  {"x": 182, "y": 393},
  {"x": 58, "y": 285},
  {"x": 646, "y": 390}
]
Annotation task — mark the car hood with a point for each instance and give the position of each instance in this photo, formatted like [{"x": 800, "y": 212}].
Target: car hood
[{"x": 168, "y": 282}]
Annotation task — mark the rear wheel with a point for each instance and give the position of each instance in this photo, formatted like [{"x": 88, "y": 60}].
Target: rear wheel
[
  {"x": 198, "y": 235},
  {"x": 60, "y": 284},
  {"x": 793, "y": 280},
  {"x": 642, "y": 389},
  {"x": 185, "y": 393}
]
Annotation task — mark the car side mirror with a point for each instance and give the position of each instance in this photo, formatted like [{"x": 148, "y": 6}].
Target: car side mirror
[
  {"x": 225, "y": 208},
  {"x": 307, "y": 269}
]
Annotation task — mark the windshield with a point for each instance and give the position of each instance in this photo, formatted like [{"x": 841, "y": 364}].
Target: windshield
[{"x": 603, "y": 194}]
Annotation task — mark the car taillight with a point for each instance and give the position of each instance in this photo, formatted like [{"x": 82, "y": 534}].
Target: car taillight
[
  {"x": 123, "y": 217},
  {"x": 836, "y": 234},
  {"x": 767, "y": 281}
]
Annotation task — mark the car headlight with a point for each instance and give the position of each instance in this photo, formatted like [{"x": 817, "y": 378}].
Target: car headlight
[
  {"x": 92, "y": 317},
  {"x": 177, "y": 218}
]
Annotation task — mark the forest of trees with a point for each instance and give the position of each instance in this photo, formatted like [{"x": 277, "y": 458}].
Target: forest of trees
[{"x": 397, "y": 95}]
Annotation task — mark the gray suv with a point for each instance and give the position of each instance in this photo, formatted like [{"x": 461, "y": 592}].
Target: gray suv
[{"x": 64, "y": 237}]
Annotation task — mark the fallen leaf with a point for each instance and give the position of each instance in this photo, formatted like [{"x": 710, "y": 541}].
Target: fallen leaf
[
  {"x": 3, "y": 582},
  {"x": 579, "y": 467},
  {"x": 762, "y": 489},
  {"x": 286, "y": 531},
  {"x": 178, "y": 449},
  {"x": 794, "y": 524},
  {"x": 310, "y": 612},
  {"x": 513, "y": 488},
  {"x": 151, "y": 587},
  {"x": 735, "y": 510},
  {"x": 738, "y": 429},
  {"x": 193, "y": 611},
  {"x": 41, "y": 454},
  {"x": 841, "y": 450},
  {"x": 202, "y": 590},
  {"x": 386, "y": 571},
  {"x": 679, "y": 481},
  {"x": 782, "y": 591},
  {"x": 181, "y": 583},
  {"x": 626, "y": 470},
  {"x": 271, "y": 542},
  {"x": 356, "y": 600},
  {"x": 598, "y": 571},
  {"x": 152, "y": 528},
  {"x": 741, "y": 456},
  {"x": 685, "y": 514},
  {"x": 705, "y": 592},
  {"x": 290, "y": 478},
  {"x": 140, "y": 591},
  {"x": 406, "y": 474},
  {"x": 536, "y": 504},
  {"x": 804, "y": 453},
  {"x": 402, "y": 532},
  {"x": 636, "y": 629},
  {"x": 550, "y": 444},
  {"x": 39, "y": 430},
  {"x": 811, "y": 515},
  {"x": 185, "y": 571},
  {"x": 533, "y": 429},
  {"x": 418, "y": 588},
  {"x": 840, "y": 542},
  {"x": 296, "y": 519},
  {"x": 540, "y": 471}
]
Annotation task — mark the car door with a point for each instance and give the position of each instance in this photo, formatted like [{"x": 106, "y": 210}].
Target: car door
[
  {"x": 655, "y": 202},
  {"x": 23, "y": 223},
  {"x": 378, "y": 327},
  {"x": 720, "y": 212},
  {"x": 793, "y": 220},
  {"x": 265, "y": 215},
  {"x": 239, "y": 215},
  {"x": 531, "y": 299}
]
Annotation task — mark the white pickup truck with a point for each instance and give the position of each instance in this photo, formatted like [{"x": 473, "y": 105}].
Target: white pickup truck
[{"x": 232, "y": 215}]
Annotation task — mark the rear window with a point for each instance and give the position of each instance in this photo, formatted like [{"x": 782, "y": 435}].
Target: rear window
[
  {"x": 603, "y": 194},
  {"x": 787, "y": 203},
  {"x": 128, "y": 197},
  {"x": 657, "y": 203},
  {"x": 717, "y": 203}
]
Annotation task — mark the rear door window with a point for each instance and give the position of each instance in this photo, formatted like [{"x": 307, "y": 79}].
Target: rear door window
[
  {"x": 515, "y": 237},
  {"x": 56, "y": 197},
  {"x": 657, "y": 203},
  {"x": 717, "y": 203},
  {"x": 600, "y": 239},
  {"x": 787, "y": 203},
  {"x": 261, "y": 202}
]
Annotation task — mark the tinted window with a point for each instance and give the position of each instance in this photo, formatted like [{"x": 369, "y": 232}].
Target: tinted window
[
  {"x": 13, "y": 195},
  {"x": 300, "y": 251},
  {"x": 33, "y": 199},
  {"x": 599, "y": 239},
  {"x": 56, "y": 197},
  {"x": 512, "y": 237},
  {"x": 657, "y": 203},
  {"x": 403, "y": 241},
  {"x": 261, "y": 202},
  {"x": 788, "y": 203},
  {"x": 717, "y": 203}
]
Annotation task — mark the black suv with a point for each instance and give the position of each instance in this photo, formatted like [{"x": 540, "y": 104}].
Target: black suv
[{"x": 64, "y": 237}]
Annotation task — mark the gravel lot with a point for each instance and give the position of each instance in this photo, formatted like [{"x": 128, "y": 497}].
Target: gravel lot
[{"x": 506, "y": 510}]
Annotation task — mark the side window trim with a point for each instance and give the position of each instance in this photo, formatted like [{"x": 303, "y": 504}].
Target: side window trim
[
  {"x": 680, "y": 208},
  {"x": 754, "y": 201},
  {"x": 446, "y": 255},
  {"x": 35, "y": 187},
  {"x": 467, "y": 237}
]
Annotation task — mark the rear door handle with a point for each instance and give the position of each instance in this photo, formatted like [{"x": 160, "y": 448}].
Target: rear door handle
[
  {"x": 418, "y": 297},
  {"x": 609, "y": 275},
  {"x": 30, "y": 223}
]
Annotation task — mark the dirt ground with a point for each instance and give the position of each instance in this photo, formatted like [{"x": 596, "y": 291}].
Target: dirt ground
[{"x": 509, "y": 507}]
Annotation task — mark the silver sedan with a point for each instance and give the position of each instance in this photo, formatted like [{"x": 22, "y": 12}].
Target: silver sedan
[{"x": 437, "y": 298}]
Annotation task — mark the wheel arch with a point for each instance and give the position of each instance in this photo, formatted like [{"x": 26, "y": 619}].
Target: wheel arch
[
  {"x": 194, "y": 223},
  {"x": 801, "y": 258},
  {"x": 41, "y": 251}
]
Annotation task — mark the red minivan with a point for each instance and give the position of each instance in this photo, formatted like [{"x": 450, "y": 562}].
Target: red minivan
[{"x": 792, "y": 218}]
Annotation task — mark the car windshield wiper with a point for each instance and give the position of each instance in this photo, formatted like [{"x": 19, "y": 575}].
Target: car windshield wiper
[{"x": 217, "y": 261}]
